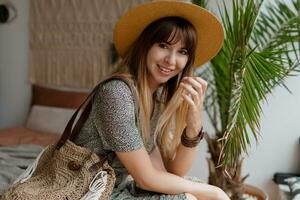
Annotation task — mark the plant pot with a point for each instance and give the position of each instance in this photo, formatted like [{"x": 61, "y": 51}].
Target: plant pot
[{"x": 255, "y": 191}]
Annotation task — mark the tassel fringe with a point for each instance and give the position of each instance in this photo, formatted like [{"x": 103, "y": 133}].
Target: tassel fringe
[
  {"x": 30, "y": 170},
  {"x": 96, "y": 187}
]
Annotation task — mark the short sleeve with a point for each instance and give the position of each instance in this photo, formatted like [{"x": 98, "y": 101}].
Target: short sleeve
[{"x": 115, "y": 118}]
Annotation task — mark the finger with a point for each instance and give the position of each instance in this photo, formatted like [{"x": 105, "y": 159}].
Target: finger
[
  {"x": 190, "y": 90},
  {"x": 202, "y": 82},
  {"x": 196, "y": 84},
  {"x": 188, "y": 99},
  {"x": 204, "y": 86}
]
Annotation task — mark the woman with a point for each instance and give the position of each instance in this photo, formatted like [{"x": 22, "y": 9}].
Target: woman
[{"x": 150, "y": 125}]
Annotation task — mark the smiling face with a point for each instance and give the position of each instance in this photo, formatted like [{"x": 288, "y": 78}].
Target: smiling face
[
  {"x": 164, "y": 61},
  {"x": 165, "y": 48}
]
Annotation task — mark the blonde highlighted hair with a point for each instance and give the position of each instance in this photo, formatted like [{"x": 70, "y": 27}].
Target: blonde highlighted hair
[{"x": 173, "y": 109}]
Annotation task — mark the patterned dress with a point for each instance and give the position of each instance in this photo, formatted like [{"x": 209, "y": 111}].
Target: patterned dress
[{"x": 112, "y": 126}]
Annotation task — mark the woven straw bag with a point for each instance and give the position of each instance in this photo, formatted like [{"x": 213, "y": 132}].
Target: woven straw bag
[{"x": 65, "y": 170}]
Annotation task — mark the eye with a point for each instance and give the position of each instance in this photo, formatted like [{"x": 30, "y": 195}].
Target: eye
[
  {"x": 163, "y": 45},
  {"x": 183, "y": 52}
]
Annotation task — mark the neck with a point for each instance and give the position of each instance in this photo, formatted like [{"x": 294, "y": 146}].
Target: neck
[{"x": 152, "y": 86}]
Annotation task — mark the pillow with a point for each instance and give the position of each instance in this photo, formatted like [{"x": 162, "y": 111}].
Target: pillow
[
  {"x": 49, "y": 119},
  {"x": 20, "y": 135},
  {"x": 294, "y": 185}
]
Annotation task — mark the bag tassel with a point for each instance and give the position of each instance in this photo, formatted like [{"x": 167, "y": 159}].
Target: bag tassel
[
  {"x": 97, "y": 186},
  {"x": 30, "y": 170}
]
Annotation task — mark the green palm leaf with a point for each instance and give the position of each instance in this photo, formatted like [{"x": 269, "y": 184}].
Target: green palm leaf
[{"x": 261, "y": 49}]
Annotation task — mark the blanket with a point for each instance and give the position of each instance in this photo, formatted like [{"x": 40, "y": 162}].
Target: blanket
[{"x": 14, "y": 160}]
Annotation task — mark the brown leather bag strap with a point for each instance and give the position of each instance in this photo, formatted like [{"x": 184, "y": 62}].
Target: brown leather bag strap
[
  {"x": 83, "y": 117},
  {"x": 87, "y": 104}
]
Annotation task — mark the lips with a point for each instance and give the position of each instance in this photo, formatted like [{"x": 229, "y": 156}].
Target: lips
[{"x": 164, "y": 69}]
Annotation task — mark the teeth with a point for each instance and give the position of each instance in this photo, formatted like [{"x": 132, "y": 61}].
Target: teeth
[{"x": 164, "y": 69}]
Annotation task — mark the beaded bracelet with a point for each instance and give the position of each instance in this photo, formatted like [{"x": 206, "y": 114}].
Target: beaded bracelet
[{"x": 191, "y": 142}]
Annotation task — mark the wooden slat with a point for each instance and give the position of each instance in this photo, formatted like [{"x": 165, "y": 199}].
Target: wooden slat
[{"x": 56, "y": 98}]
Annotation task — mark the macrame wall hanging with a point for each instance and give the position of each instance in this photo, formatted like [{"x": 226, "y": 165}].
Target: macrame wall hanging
[{"x": 71, "y": 40}]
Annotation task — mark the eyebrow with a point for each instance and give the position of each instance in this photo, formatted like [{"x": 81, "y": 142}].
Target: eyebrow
[{"x": 171, "y": 44}]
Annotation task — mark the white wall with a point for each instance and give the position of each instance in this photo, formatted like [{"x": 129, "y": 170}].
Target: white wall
[
  {"x": 278, "y": 148},
  {"x": 14, "y": 84}
]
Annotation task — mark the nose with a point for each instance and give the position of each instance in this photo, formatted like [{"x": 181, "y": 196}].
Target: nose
[{"x": 170, "y": 59}]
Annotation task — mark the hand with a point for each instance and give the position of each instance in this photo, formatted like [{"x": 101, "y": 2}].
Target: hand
[{"x": 194, "y": 94}]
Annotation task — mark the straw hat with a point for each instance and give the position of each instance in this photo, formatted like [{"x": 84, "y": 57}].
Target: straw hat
[{"x": 133, "y": 22}]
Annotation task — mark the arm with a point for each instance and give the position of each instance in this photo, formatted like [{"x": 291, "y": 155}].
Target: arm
[
  {"x": 140, "y": 167},
  {"x": 183, "y": 156},
  {"x": 194, "y": 88},
  {"x": 159, "y": 163},
  {"x": 156, "y": 160},
  {"x": 182, "y": 162}
]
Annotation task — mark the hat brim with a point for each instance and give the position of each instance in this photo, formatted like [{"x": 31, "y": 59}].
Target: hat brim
[{"x": 209, "y": 30}]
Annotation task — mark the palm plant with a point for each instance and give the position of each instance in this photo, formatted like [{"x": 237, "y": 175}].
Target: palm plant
[{"x": 261, "y": 49}]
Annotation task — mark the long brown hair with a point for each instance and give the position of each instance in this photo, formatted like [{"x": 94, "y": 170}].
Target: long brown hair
[{"x": 171, "y": 30}]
